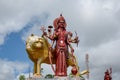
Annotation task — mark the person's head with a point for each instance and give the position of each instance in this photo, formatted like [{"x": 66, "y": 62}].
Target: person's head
[
  {"x": 107, "y": 72},
  {"x": 59, "y": 22}
]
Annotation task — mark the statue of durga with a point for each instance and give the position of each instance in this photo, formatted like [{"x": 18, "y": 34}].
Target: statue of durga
[
  {"x": 40, "y": 50},
  {"x": 62, "y": 39}
]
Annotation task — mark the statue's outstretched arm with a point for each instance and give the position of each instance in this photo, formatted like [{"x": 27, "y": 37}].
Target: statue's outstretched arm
[{"x": 71, "y": 40}]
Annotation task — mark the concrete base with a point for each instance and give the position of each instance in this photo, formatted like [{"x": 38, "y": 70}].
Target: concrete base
[
  {"x": 61, "y": 78},
  {"x": 56, "y": 78}
]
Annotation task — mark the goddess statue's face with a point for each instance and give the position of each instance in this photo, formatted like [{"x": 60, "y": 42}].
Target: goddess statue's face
[{"x": 61, "y": 23}]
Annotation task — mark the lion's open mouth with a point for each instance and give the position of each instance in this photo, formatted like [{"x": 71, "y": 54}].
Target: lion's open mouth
[{"x": 37, "y": 44}]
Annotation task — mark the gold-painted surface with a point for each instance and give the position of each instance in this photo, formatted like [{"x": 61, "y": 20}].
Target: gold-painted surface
[{"x": 84, "y": 72}]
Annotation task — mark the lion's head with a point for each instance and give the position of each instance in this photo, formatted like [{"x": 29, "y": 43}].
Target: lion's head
[
  {"x": 36, "y": 46},
  {"x": 34, "y": 42}
]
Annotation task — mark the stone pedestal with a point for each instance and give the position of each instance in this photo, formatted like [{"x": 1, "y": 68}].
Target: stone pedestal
[
  {"x": 61, "y": 78},
  {"x": 56, "y": 78}
]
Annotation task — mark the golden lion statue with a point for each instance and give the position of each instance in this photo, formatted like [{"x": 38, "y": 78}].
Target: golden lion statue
[{"x": 38, "y": 51}]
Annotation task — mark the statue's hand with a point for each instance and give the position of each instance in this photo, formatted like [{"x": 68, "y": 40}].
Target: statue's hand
[
  {"x": 45, "y": 33},
  {"x": 76, "y": 39}
]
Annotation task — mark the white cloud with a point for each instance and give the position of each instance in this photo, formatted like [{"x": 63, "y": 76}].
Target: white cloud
[
  {"x": 105, "y": 56},
  {"x": 101, "y": 58},
  {"x": 9, "y": 69},
  {"x": 16, "y": 14},
  {"x": 95, "y": 24},
  {"x": 87, "y": 16}
]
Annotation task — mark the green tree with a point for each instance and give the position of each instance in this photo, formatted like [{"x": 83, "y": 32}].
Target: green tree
[
  {"x": 49, "y": 76},
  {"x": 21, "y": 77}
]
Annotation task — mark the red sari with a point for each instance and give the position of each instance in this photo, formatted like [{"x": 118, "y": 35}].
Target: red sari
[{"x": 61, "y": 54}]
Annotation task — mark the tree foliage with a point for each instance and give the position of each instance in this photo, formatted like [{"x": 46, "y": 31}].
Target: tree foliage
[
  {"x": 21, "y": 77},
  {"x": 49, "y": 76}
]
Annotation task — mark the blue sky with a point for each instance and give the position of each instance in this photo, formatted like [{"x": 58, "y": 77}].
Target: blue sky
[
  {"x": 97, "y": 24},
  {"x": 13, "y": 50},
  {"x": 14, "y": 47}
]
